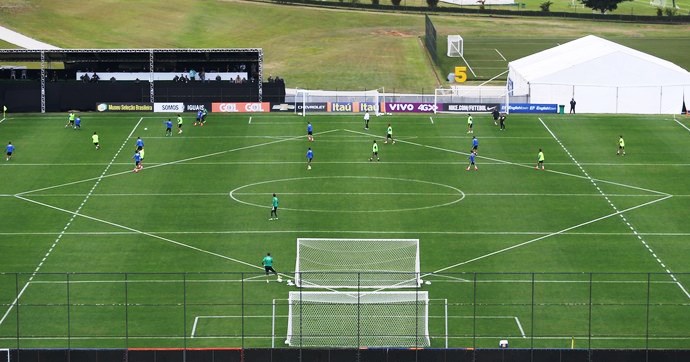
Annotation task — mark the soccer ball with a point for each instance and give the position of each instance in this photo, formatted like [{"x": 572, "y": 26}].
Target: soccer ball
[
  {"x": 287, "y": 342},
  {"x": 146, "y": 129},
  {"x": 308, "y": 167}
]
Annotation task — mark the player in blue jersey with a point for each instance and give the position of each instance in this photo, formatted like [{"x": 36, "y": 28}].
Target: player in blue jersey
[
  {"x": 204, "y": 112},
  {"x": 198, "y": 118},
  {"x": 168, "y": 127},
  {"x": 77, "y": 123},
  {"x": 139, "y": 144},
  {"x": 475, "y": 144},
  {"x": 473, "y": 156},
  {"x": 9, "y": 149},
  {"x": 137, "y": 162},
  {"x": 310, "y": 132},
  {"x": 310, "y": 156}
]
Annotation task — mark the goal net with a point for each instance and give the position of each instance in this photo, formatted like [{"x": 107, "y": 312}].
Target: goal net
[
  {"x": 470, "y": 99},
  {"x": 315, "y": 101},
  {"x": 379, "y": 319},
  {"x": 357, "y": 263},
  {"x": 455, "y": 46}
]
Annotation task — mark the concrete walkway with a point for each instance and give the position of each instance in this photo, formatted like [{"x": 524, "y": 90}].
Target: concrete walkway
[{"x": 23, "y": 41}]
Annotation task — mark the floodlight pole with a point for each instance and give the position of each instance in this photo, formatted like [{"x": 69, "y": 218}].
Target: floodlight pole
[
  {"x": 43, "y": 82},
  {"x": 151, "y": 87},
  {"x": 261, "y": 74}
]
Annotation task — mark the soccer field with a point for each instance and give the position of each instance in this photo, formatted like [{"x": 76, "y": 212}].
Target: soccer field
[{"x": 590, "y": 252}]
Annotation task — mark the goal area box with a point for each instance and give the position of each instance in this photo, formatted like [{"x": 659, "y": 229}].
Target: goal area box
[
  {"x": 341, "y": 319},
  {"x": 357, "y": 263}
]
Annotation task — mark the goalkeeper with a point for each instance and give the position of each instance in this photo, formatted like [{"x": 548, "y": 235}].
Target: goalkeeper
[{"x": 267, "y": 262}]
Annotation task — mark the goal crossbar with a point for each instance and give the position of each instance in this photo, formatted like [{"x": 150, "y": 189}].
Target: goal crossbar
[{"x": 357, "y": 263}]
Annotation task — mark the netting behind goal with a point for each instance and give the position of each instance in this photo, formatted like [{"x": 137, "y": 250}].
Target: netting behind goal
[
  {"x": 470, "y": 99},
  {"x": 357, "y": 263},
  {"x": 338, "y": 319},
  {"x": 314, "y": 101}
]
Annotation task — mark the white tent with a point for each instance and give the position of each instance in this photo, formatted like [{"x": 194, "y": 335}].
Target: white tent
[{"x": 602, "y": 76}]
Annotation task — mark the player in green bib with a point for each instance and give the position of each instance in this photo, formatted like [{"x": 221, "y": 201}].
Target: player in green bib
[
  {"x": 267, "y": 262},
  {"x": 621, "y": 146},
  {"x": 274, "y": 208},
  {"x": 374, "y": 152},
  {"x": 540, "y": 159},
  {"x": 94, "y": 138},
  {"x": 389, "y": 134},
  {"x": 179, "y": 124},
  {"x": 70, "y": 120}
]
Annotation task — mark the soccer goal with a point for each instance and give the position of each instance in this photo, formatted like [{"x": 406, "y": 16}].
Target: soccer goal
[
  {"x": 455, "y": 46},
  {"x": 315, "y": 101},
  {"x": 471, "y": 99},
  {"x": 357, "y": 263},
  {"x": 378, "y": 319}
]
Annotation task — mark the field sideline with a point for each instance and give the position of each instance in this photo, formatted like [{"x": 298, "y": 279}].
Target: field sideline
[{"x": 509, "y": 248}]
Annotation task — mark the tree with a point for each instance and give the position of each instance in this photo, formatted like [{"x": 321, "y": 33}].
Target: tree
[
  {"x": 432, "y": 3},
  {"x": 546, "y": 6},
  {"x": 602, "y": 5},
  {"x": 396, "y": 2}
]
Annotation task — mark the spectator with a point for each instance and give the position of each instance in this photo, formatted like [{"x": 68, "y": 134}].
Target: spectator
[
  {"x": 13, "y": 74},
  {"x": 218, "y": 77}
]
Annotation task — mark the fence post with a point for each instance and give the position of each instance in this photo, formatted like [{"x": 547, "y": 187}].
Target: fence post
[
  {"x": 69, "y": 319},
  {"x": 242, "y": 308},
  {"x": 16, "y": 293},
  {"x": 531, "y": 337},
  {"x": 589, "y": 327},
  {"x": 126, "y": 311},
  {"x": 184, "y": 315},
  {"x": 646, "y": 345},
  {"x": 474, "y": 312}
]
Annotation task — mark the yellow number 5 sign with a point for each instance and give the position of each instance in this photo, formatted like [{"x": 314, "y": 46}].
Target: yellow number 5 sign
[{"x": 460, "y": 74}]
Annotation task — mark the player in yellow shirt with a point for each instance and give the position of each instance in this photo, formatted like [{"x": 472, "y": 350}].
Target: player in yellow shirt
[
  {"x": 621, "y": 146},
  {"x": 94, "y": 138}
]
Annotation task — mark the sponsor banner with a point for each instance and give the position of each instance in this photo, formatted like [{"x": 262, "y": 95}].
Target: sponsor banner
[
  {"x": 241, "y": 107},
  {"x": 124, "y": 107},
  {"x": 313, "y": 107},
  {"x": 282, "y": 107},
  {"x": 168, "y": 107},
  {"x": 367, "y": 107},
  {"x": 469, "y": 107},
  {"x": 411, "y": 107},
  {"x": 196, "y": 107},
  {"x": 342, "y": 107},
  {"x": 530, "y": 108}
]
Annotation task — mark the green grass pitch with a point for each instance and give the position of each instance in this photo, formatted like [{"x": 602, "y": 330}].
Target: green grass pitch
[{"x": 591, "y": 251}]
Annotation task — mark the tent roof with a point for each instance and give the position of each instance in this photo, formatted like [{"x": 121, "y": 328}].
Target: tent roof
[{"x": 595, "y": 61}]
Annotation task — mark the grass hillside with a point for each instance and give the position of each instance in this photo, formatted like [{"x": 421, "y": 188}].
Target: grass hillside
[{"x": 310, "y": 47}]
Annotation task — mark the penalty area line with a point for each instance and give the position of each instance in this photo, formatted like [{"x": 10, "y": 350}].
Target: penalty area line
[{"x": 432, "y": 120}]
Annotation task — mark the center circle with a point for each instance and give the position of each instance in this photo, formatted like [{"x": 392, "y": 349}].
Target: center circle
[{"x": 368, "y": 194}]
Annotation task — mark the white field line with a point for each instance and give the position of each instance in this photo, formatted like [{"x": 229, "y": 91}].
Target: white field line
[
  {"x": 216, "y": 194},
  {"x": 2, "y": 120},
  {"x": 452, "y": 280},
  {"x": 682, "y": 125},
  {"x": 501, "y": 55},
  {"x": 468, "y": 66},
  {"x": 547, "y": 236},
  {"x": 167, "y": 163},
  {"x": 141, "y": 232},
  {"x": 622, "y": 216},
  {"x": 522, "y": 165},
  {"x": 522, "y": 331},
  {"x": 396, "y": 232},
  {"x": 602, "y": 164},
  {"x": 432, "y": 120},
  {"x": 196, "y": 320},
  {"x": 74, "y": 214},
  {"x": 250, "y": 120}
]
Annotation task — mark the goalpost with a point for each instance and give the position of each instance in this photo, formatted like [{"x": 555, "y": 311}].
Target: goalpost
[
  {"x": 381, "y": 319},
  {"x": 471, "y": 99},
  {"x": 357, "y": 263},
  {"x": 315, "y": 101},
  {"x": 455, "y": 46}
]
